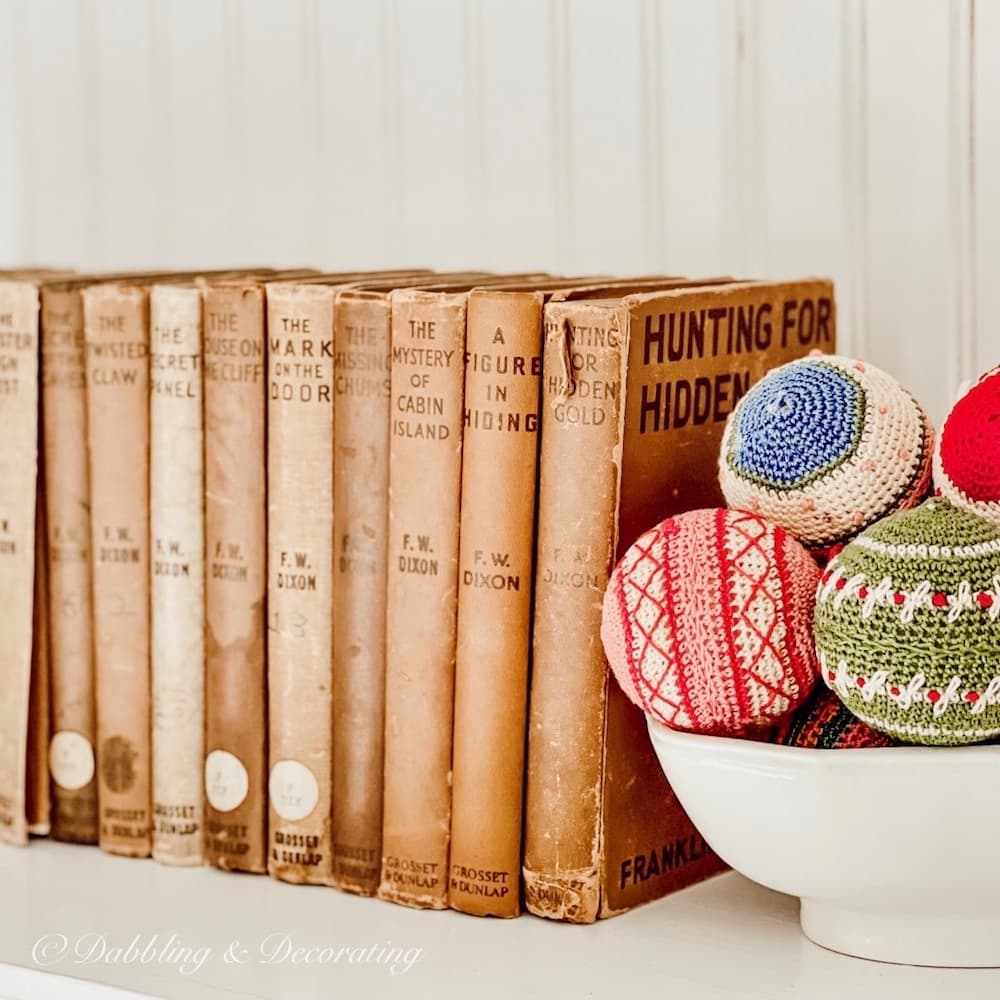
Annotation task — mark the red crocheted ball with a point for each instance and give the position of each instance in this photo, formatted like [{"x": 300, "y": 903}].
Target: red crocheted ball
[
  {"x": 707, "y": 622},
  {"x": 824, "y": 722},
  {"x": 967, "y": 461}
]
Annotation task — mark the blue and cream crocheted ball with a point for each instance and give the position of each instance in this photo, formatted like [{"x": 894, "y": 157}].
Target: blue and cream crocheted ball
[{"x": 825, "y": 446}]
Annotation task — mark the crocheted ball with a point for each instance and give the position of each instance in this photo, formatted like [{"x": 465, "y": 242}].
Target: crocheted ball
[
  {"x": 825, "y": 723},
  {"x": 707, "y": 622},
  {"x": 907, "y": 628},
  {"x": 967, "y": 459},
  {"x": 825, "y": 446}
]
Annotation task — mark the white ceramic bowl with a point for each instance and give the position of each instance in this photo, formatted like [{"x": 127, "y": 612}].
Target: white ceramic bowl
[{"x": 894, "y": 852}]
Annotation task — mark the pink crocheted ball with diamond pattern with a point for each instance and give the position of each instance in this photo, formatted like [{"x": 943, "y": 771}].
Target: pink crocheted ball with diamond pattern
[{"x": 707, "y": 622}]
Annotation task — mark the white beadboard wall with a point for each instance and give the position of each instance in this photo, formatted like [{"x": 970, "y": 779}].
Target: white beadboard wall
[{"x": 857, "y": 138}]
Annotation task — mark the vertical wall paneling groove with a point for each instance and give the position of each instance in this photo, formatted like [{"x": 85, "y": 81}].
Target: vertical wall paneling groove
[
  {"x": 163, "y": 109},
  {"x": 562, "y": 178},
  {"x": 651, "y": 135},
  {"x": 281, "y": 134},
  {"x": 11, "y": 154},
  {"x": 316, "y": 236},
  {"x": 232, "y": 136},
  {"x": 17, "y": 122},
  {"x": 432, "y": 143},
  {"x": 607, "y": 205},
  {"x": 391, "y": 118},
  {"x": 693, "y": 128},
  {"x": 475, "y": 128},
  {"x": 853, "y": 291},
  {"x": 745, "y": 249},
  {"x": 514, "y": 138},
  {"x": 199, "y": 145},
  {"x": 796, "y": 205},
  {"x": 57, "y": 151},
  {"x": 986, "y": 167},
  {"x": 912, "y": 313},
  {"x": 131, "y": 183},
  {"x": 357, "y": 215},
  {"x": 961, "y": 143}
]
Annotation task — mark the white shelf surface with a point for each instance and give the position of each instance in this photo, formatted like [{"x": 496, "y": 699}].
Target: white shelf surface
[{"x": 726, "y": 939}]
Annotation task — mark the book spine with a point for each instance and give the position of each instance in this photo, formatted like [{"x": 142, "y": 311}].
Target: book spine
[
  {"x": 18, "y": 473},
  {"x": 38, "y": 794},
  {"x": 578, "y": 476},
  {"x": 67, "y": 501},
  {"x": 425, "y": 469},
  {"x": 236, "y": 580},
  {"x": 300, "y": 580},
  {"x": 177, "y": 582},
  {"x": 116, "y": 328},
  {"x": 680, "y": 390},
  {"x": 360, "y": 499},
  {"x": 502, "y": 384}
]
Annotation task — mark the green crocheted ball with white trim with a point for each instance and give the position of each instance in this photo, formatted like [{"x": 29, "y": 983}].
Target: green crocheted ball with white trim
[{"x": 907, "y": 625}]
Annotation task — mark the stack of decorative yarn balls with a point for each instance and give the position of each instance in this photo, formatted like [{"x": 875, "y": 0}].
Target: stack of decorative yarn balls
[{"x": 831, "y": 562}]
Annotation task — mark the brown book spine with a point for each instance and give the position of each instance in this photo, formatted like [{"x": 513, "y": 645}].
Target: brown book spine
[
  {"x": 116, "y": 326},
  {"x": 502, "y": 383},
  {"x": 300, "y": 580},
  {"x": 38, "y": 795},
  {"x": 236, "y": 579},
  {"x": 692, "y": 354},
  {"x": 579, "y": 458},
  {"x": 72, "y": 761},
  {"x": 425, "y": 475},
  {"x": 360, "y": 502},
  {"x": 177, "y": 584},
  {"x": 18, "y": 475}
]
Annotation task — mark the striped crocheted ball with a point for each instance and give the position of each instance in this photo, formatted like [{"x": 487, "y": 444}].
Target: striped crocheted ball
[
  {"x": 967, "y": 459},
  {"x": 825, "y": 723},
  {"x": 907, "y": 628},
  {"x": 707, "y": 622},
  {"x": 825, "y": 446}
]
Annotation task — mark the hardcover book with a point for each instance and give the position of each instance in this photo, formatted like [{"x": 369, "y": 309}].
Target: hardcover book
[
  {"x": 72, "y": 755},
  {"x": 116, "y": 326},
  {"x": 636, "y": 392},
  {"x": 177, "y": 583},
  {"x": 19, "y": 306}
]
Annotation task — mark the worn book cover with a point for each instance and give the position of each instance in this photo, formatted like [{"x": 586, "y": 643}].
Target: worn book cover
[
  {"x": 72, "y": 759},
  {"x": 177, "y": 583},
  {"x": 19, "y": 306},
  {"x": 116, "y": 330},
  {"x": 235, "y": 764},
  {"x": 636, "y": 392}
]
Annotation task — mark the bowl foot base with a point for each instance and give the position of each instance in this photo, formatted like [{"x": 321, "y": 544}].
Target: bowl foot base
[{"x": 955, "y": 940}]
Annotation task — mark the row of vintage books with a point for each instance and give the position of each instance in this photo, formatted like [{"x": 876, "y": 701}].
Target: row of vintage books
[{"x": 301, "y": 573}]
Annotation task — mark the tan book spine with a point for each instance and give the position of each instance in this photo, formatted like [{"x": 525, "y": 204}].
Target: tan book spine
[
  {"x": 177, "y": 582},
  {"x": 38, "y": 795},
  {"x": 18, "y": 475},
  {"x": 300, "y": 580},
  {"x": 236, "y": 579},
  {"x": 72, "y": 761},
  {"x": 116, "y": 327},
  {"x": 425, "y": 474},
  {"x": 360, "y": 502},
  {"x": 502, "y": 384},
  {"x": 579, "y": 464}
]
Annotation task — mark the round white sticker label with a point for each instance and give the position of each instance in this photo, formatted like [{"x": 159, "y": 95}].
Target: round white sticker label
[
  {"x": 71, "y": 760},
  {"x": 293, "y": 789},
  {"x": 226, "y": 780}
]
